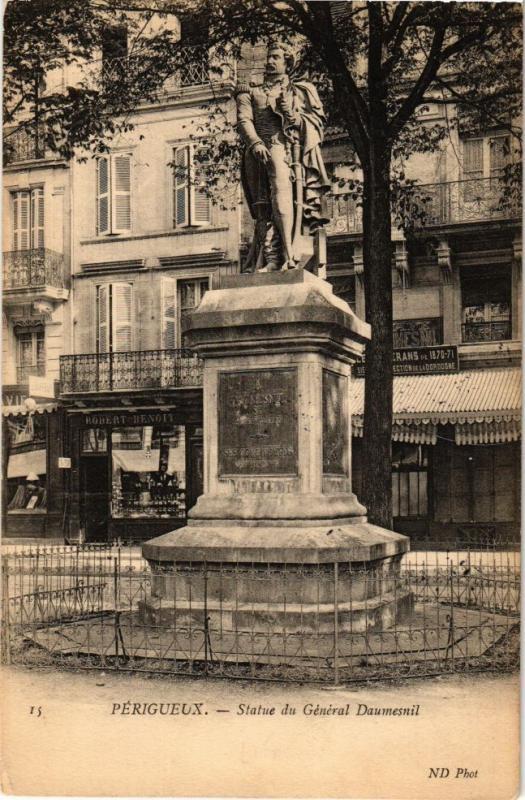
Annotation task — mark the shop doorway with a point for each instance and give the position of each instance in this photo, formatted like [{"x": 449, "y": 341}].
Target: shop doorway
[{"x": 95, "y": 497}]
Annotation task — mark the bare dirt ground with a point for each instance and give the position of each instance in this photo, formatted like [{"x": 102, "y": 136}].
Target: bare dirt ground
[{"x": 65, "y": 733}]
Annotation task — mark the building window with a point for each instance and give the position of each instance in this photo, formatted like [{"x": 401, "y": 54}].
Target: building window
[
  {"x": 114, "y": 194},
  {"x": 114, "y": 317},
  {"x": 178, "y": 297},
  {"x": 148, "y": 472},
  {"x": 190, "y": 293},
  {"x": 486, "y": 296},
  {"x": 417, "y": 332},
  {"x": 30, "y": 353},
  {"x": 27, "y": 464},
  {"x": 114, "y": 53},
  {"x": 485, "y": 157},
  {"x": 28, "y": 219},
  {"x": 409, "y": 480},
  {"x": 169, "y": 313},
  {"x": 484, "y": 160},
  {"x": 191, "y": 205},
  {"x": 94, "y": 440}
]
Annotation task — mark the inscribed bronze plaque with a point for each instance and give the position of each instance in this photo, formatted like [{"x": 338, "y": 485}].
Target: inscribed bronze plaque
[
  {"x": 258, "y": 422},
  {"x": 335, "y": 424}
]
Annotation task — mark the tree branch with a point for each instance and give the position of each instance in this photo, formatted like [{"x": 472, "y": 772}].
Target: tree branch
[
  {"x": 412, "y": 17},
  {"x": 426, "y": 77},
  {"x": 323, "y": 36}
]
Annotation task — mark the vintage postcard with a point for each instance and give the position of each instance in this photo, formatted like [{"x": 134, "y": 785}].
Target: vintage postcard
[{"x": 261, "y": 399}]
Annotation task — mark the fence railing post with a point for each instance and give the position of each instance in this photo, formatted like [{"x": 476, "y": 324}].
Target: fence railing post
[
  {"x": 206, "y": 632},
  {"x": 336, "y": 623},
  {"x": 117, "y": 610},
  {"x": 6, "y": 612}
]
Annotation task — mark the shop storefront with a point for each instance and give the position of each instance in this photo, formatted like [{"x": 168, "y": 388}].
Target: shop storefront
[
  {"x": 33, "y": 490},
  {"x": 455, "y": 455},
  {"x": 134, "y": 474}
]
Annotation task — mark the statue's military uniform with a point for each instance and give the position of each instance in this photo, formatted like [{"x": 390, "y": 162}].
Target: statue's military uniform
[
  {"x": 281, "y": 125},
  {"x": 270, "y": 183}
]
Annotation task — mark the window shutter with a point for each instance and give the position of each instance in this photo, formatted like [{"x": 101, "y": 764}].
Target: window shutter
[
  {"x": 21, "y": 215},
  {"x": 473, "y": 158},
  {"x": 103, "y": 318},
  {"x": 169, "y": 312},
  {"x": 499, "y": 148},
  {"x": 103, "y": 213},
  {"x": 201, "y": 201},
  {"x": 121, "y": 312},
  {"x": 37, "y": 218},
  {"x": 181, "y": 186},
  {"x": 121, "y": 193}
]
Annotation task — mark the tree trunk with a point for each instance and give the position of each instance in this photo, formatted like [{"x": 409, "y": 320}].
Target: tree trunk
[{"x": 377, "y": 252}]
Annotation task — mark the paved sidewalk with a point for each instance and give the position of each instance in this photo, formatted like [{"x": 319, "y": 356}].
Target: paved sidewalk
[{"x": 82, "y": 743}]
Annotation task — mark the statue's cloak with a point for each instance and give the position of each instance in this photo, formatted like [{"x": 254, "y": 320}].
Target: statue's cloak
[{"x": 306, "y": 106}]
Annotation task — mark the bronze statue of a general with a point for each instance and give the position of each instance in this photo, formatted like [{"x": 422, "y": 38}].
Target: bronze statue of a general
[{"x": 281, "y": 124}]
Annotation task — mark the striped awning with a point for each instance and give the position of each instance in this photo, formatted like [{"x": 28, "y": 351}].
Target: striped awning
[
  {"x": 16, "y": 411},
  {"x": 484, "y": 406}
]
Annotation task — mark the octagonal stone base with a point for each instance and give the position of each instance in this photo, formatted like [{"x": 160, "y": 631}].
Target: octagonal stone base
[{"x": 294, "y": 577}]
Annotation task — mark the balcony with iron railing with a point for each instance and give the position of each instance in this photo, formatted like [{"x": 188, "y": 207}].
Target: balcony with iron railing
[
  {"x": 475, "y": 200},
  {"x": 475, "y": 332},
  {"x": 130, "y": 371},
  {"x": 344, "y": 214},
  {"x": 34, "y": 273},
  {"x": 23, "y": 144},
  {"x": 194, "y": 68},
  {"x": 451, "y": 203}
]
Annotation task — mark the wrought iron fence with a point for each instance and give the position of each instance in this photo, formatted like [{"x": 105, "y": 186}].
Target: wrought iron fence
[
  {"x": 137, "y": 369},
  {"x": 33, "y": 268},
  {"x": 105, "y": 607},
  {"x": 486, "y": 331}
]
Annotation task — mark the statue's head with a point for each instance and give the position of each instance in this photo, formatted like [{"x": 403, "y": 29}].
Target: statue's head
[{"x": 280, "y": 59}]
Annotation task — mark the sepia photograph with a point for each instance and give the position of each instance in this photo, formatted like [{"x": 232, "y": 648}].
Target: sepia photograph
[{"x": 261, "y": 399}]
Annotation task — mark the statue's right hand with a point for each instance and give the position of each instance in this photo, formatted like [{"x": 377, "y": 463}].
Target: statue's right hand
[{"x": 261, "y": 153}]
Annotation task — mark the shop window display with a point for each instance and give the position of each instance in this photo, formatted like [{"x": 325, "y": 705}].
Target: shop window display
[
  {"x": 26, "y": 468},
  {"x": 148, "y": 472}
]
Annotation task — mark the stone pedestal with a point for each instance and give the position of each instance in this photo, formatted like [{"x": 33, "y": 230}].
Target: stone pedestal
[{"x": 277, "y": 350}]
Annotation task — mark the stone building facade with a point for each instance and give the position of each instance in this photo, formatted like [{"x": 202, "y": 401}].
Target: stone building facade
[
  {"x": 457, "y": 337},
  {"x": 105, "y": 257},
  {"x": 36, "y": 291}
]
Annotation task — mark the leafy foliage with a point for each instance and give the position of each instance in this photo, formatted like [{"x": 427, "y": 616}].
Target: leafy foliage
[{"x": 377, "y": 64}]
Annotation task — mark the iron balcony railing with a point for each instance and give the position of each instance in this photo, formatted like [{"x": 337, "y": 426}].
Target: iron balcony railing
[
  {"x": 344, "y": 214},
  {"x": 476, "y": 200},
  {"x": 23, "y": 144},
  {"x": 32, "y": 269},
  {"x": 486, "y": 331},
  {"x": 134, "y": 370},
  {"x": 192, "y": 68}
]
